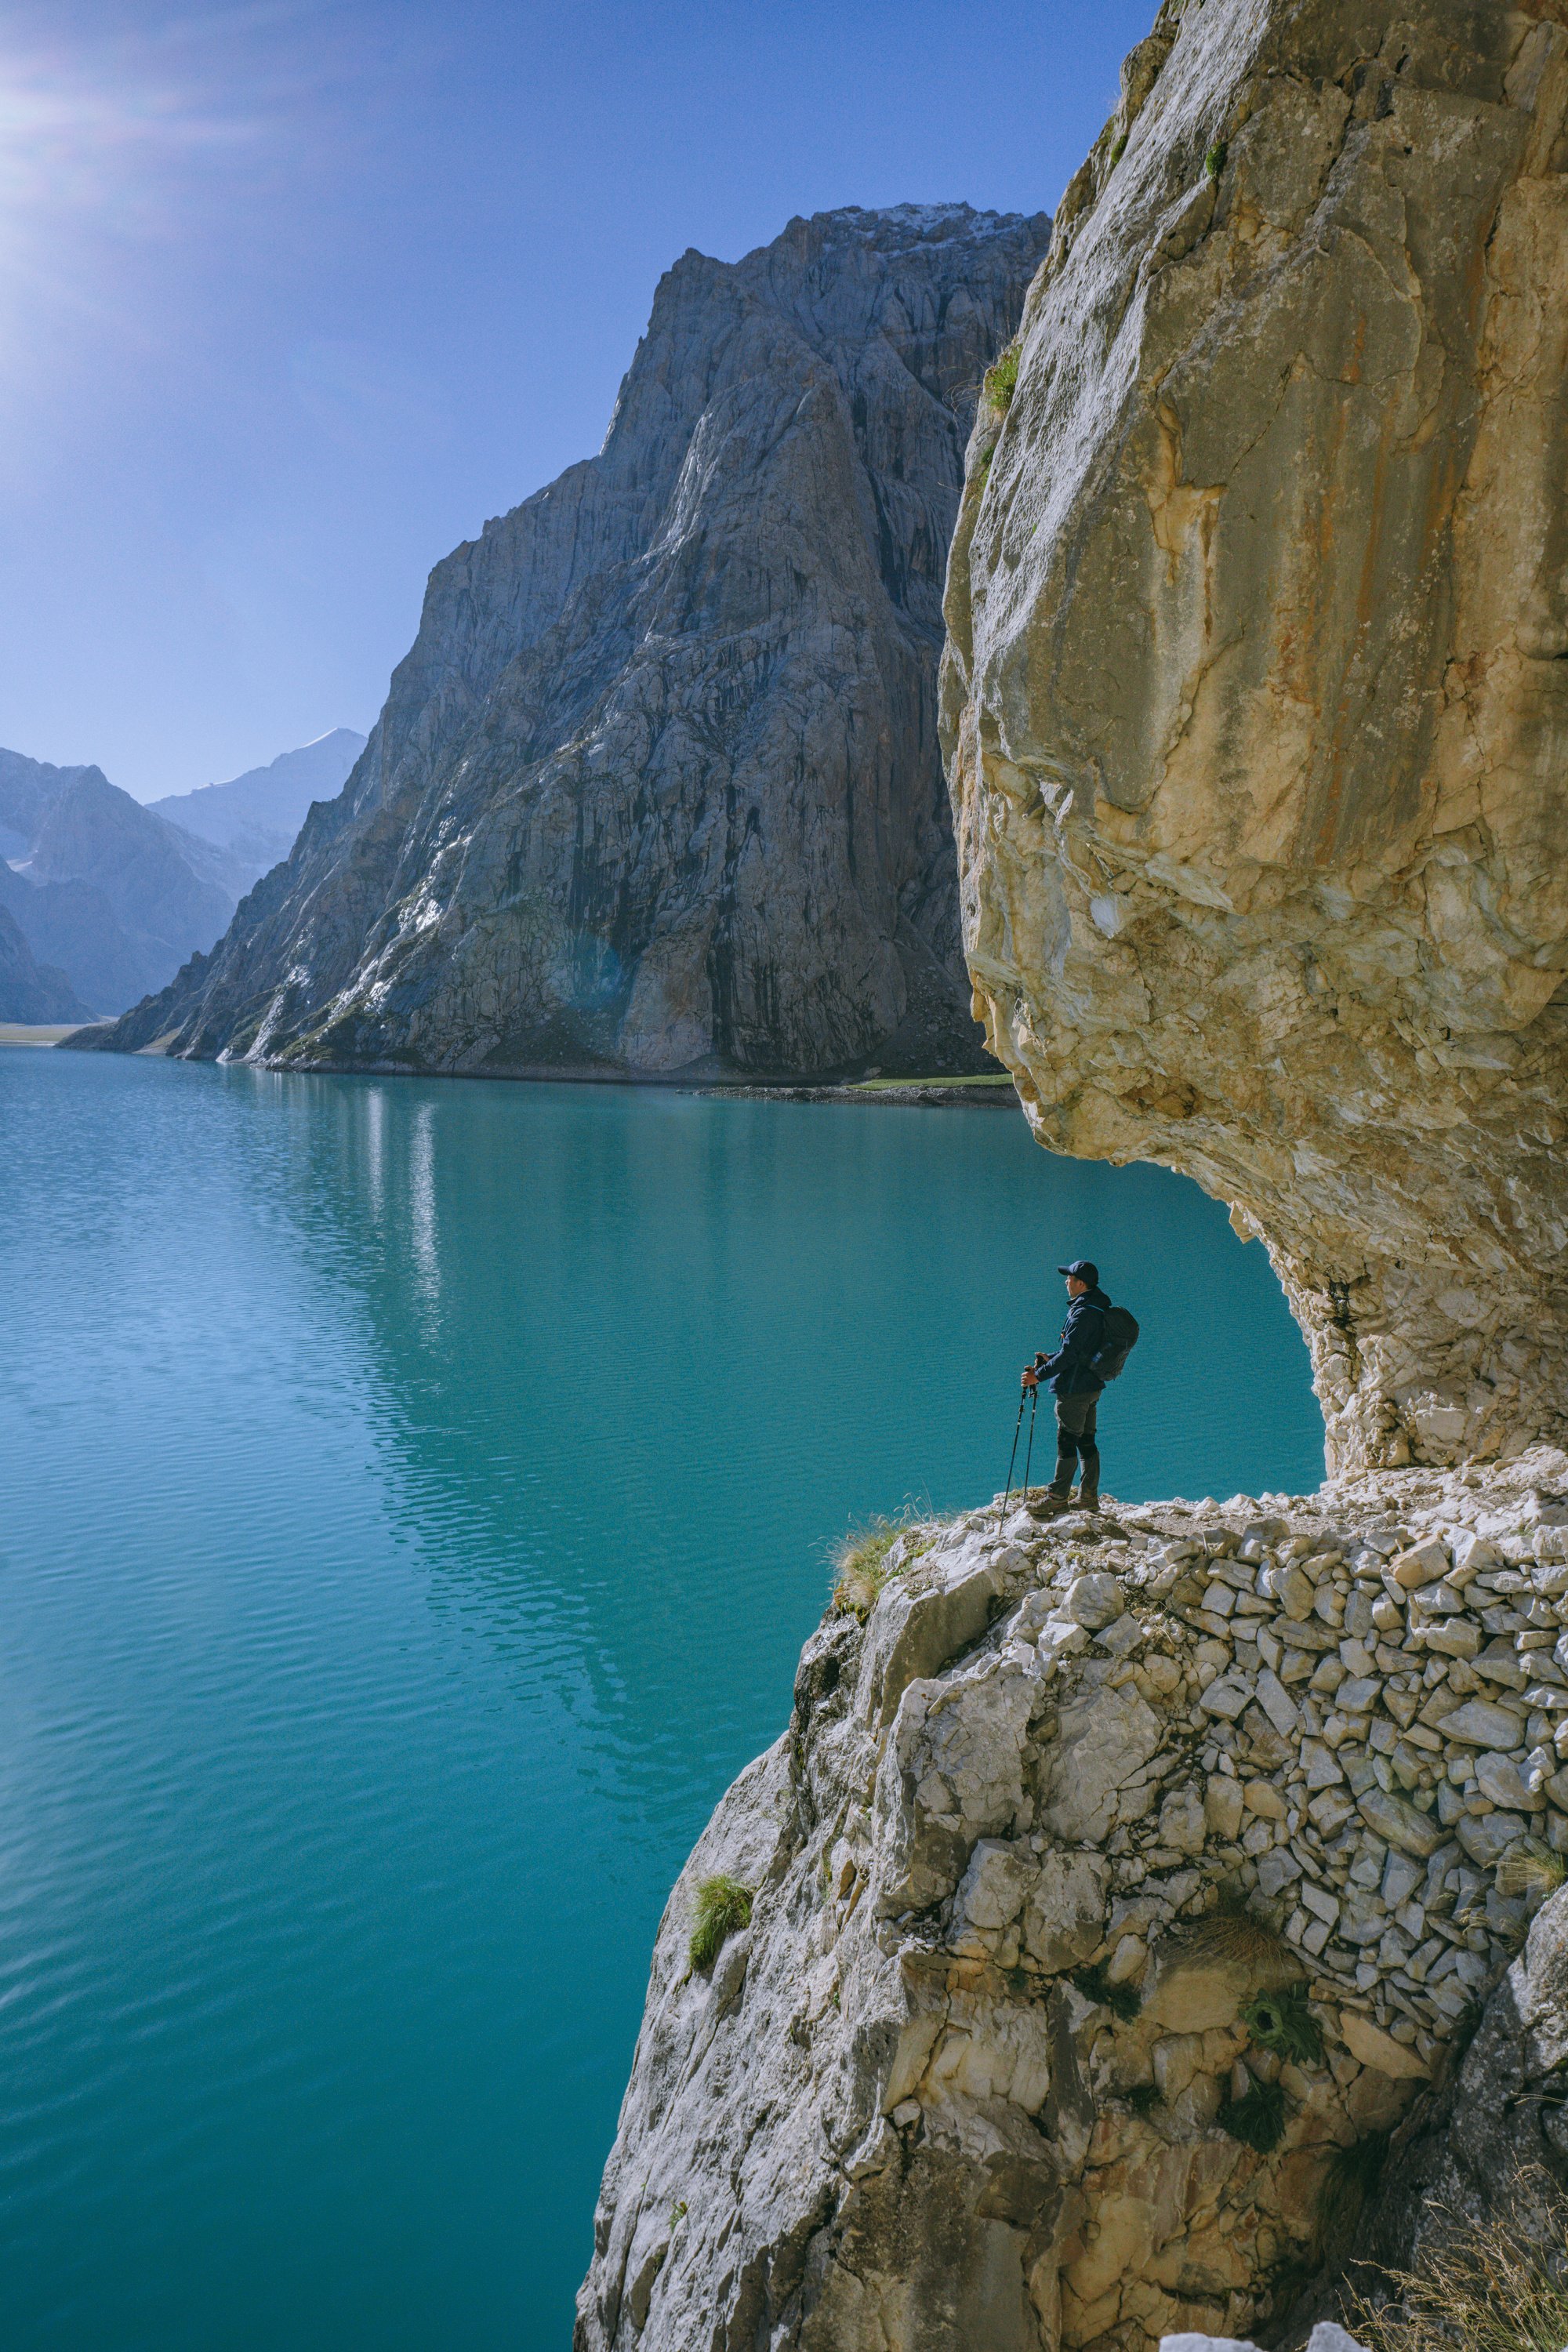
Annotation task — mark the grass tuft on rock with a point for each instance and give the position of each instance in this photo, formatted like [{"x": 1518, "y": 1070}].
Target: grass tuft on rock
[
  {"x": 1530, "y": 1867},
  {"x": 1281, "y": 2021},
  {"x": 1499, "y": 2284},
  {"x": 1232, "y": 1933},
  {"x": 723, "y": 1908},
  {"x": 1349, "y": 2178},
  {"x": 1214, "y": 161},
  {"x": 1256, "y": 2120},
  {"x": 860, "y": 1565},
  {"x": 1001, "y": 380}
]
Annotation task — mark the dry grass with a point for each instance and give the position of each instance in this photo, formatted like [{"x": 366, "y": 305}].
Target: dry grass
[
  {"x": 1230, "y": 1935},
  {"x": 860, "y": 1565},
  {"x": 1123, "y": 2000},
  {"x": 1258, "y": 2120},
  {"x": 1496, "y": 2285},
  {"x": 1530, "y": 1867},
  {"x": 1348, "y": 2181}
]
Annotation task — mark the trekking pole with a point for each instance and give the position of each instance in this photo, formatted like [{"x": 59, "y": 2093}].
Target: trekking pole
[
  {"x": 1029, "y": 1449},
  {"x": 1013, "y": 1458}
]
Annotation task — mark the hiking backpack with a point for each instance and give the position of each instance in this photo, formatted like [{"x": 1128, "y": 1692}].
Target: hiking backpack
[{"x": 1117, "y": 1342}]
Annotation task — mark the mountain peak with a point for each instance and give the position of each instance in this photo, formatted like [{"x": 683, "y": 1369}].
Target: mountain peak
[
  {"x": 258, "y": 814},
  {"x": 657, "y": 789}
]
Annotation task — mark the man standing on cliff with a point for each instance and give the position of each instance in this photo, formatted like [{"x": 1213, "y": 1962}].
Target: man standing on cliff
[{"x": 1076, "y": 1384}]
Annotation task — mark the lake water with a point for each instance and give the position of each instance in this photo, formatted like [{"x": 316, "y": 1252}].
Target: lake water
[{"x": 413, "y": 1498}]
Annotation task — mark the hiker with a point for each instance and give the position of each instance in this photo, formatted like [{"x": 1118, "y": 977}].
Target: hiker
[{"x": 1076, "y": 1384}]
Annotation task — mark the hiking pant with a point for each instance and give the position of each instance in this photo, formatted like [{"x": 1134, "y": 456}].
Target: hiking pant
[{"x": 1075, "y": 1439}]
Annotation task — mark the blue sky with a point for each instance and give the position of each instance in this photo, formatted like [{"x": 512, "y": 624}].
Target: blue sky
[{"x": 292, "y": 297}]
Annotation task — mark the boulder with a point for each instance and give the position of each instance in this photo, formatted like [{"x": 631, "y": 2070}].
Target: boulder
[
  {"x": 926, "y": 1619},
  {"x": 1106, "y": 1737},
  {"x": 1094, "y": 1600},
  {"x": 1325, "y": 2337},
  {"x": 1482, "y": 1724},
  {"x": 1368, "y": 2043},
  {"x": 1400, "y": 1823},
  {"x": 1064, "y": 1921}
]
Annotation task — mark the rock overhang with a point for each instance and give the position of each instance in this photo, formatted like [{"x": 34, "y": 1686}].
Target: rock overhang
[{"x": 1257, "y": 778}]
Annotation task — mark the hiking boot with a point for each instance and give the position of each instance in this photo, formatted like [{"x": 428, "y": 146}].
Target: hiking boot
[
  {"x": 1054, "y": 1498},
  {"x": 1088, "y": 1494}
]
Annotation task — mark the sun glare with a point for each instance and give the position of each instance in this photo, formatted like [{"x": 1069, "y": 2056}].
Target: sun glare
[{"x": 97, "y": 149}]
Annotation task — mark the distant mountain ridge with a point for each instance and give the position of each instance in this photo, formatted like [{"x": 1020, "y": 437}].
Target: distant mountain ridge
[
  {"x": 31, "y": 991},
  {"x": 658, "y": 790},
  {"x": 28, "y": 788},
  {"x": 111, "y": 898},
  {"x": 259, "y": 814}
]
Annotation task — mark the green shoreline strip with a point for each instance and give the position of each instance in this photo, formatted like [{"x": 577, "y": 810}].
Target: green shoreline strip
[{"x": 877, "y": 1086}]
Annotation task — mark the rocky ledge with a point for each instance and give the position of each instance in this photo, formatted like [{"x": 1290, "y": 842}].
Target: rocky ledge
[{"x": 1121, "y": 1885}]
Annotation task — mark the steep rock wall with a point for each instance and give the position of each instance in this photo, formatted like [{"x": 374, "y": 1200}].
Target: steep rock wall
[
  {"x": 1255, "y": 703},
  {"x": 657, "y": 788},
  {"x": 994, "y": 2063}
]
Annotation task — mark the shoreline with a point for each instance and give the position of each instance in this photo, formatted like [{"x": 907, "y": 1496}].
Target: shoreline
[
  {"x": 935, "y": 1093},
  {"x": 42, "y": 1033},
  {"x": 985, "y": 1089}
]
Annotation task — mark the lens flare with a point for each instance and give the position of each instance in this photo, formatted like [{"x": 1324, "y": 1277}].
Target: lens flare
[{"x": 105, "y": 148}]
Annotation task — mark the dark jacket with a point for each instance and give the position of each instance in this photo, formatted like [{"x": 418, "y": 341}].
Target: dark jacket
[{"x": 1069, "y": 1369}]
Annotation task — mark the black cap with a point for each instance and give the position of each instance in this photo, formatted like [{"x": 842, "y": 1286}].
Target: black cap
[{"x": 1082, "y": 1270}]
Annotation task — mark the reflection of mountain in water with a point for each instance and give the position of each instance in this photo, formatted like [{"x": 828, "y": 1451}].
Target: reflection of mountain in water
[{"x": 574, "y": 1326}]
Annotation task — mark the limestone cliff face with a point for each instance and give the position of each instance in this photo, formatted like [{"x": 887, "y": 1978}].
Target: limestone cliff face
[
  {"x": 1123, "y": 1886},
  {"x": 1255, "y": 703},
  {"x": 1118, "y": 1887},
  {"x": 659, "y": 788}
]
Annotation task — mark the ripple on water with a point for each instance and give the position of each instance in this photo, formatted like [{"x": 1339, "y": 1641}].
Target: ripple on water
[{"x": 414, "y": 1499}]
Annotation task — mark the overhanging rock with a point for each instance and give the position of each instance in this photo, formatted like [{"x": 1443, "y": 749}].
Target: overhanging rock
[{"x": 1254, "y": 701}]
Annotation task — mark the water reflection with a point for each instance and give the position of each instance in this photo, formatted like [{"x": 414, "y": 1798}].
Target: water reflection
[
  {"x": 415, "y": 1501},
  {"x": 641, "y": 1356}
]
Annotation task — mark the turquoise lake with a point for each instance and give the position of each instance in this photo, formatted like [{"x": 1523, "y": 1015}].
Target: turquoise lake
[{"x": 413, "y": 1498}]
